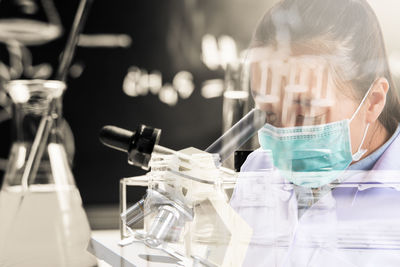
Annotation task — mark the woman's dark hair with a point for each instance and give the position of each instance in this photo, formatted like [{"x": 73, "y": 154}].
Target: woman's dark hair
[{"x": 345, "y": 30}]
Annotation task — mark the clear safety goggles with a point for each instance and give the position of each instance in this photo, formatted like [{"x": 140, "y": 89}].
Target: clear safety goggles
[{"x": 293, "y": 90}]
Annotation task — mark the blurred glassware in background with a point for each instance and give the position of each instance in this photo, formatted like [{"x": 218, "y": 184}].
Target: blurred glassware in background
[
  {"x": 155, "y": 82},
  {"x": 223, "y": 53},
  {"x": 212, "y": 88},
  {"x": 218, "y": 53},
  {"x": 42, "y": 221},
  {"x": 183, "y": 83},
  {"x": 139, "y": 82},
  {"x": 30, "y": 22},
  {"x": 21, "y": 64},
  {"x": 278, "y": 81},
  {"x": 76, "y": 70},
  {"x": 104, "y": 40},
  {"x": 210, "y": 52},
  {"x": 215, "y": 54},
  {"x": 143, "y": 88},
  {"x": 228, "y": 51},
  {"x": 236, "y": 102},
  {"x": 236, "y": 96},
  {"x": 168, "y": 95},
  {"x": 130, "y": 83}
]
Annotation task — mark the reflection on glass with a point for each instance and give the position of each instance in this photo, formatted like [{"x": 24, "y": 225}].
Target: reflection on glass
[{"x": 42, "y": 221}]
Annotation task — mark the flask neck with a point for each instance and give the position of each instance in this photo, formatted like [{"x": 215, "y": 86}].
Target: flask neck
[
  {"x": 37, "y": 109},
  {"x": 32, "y": 101},
  {"x": 27, "y": 118}
]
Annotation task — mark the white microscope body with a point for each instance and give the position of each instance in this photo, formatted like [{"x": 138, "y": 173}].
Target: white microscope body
[{"x": 186, "y": 207}]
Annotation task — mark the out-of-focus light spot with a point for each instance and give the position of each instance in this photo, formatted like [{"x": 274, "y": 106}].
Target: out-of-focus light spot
[
  {"x": 28, "y": 6},
  {"x": 236, "y": 94},
  {"x": 76, "y": 70},
  {"x": 210, "y": 52},
  {"x": 21, "y": 155},
  {"x": 228, "y": 50},
  {"x": 212, "y": 88},
  {"x": 168, "y": 95},
  {"x": 138, "y": 82},
  {"x": 155, "y": 82},
  {"x": 19, "y": 93},
  {"x": 57, "y": 87},
  {"x": 131, "y": 82},
  {"x": 105, "y": 40},
  {"x": 143, "y": 83},
  {"x": 28, "y": 31},
  {"x": 183, "y": 83},
  {"x": 129, "y": 88}
]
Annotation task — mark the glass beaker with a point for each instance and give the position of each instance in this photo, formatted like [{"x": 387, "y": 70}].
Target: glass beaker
[{"x": 42, "y": 221}]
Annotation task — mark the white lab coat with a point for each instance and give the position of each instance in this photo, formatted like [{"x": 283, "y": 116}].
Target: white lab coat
[{"x": 355, "y": 224}]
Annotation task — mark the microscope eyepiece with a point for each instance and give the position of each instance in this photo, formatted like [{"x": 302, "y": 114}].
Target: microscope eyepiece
[
  {"x": 138, "y": 144},
  {"x": 116, "y": 138}
]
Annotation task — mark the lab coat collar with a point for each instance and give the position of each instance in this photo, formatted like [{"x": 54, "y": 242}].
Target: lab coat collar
[{"x": 388, "y": 160}]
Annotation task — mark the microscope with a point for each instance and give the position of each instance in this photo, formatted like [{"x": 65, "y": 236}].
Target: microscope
[{"x": 186, "y": 210}]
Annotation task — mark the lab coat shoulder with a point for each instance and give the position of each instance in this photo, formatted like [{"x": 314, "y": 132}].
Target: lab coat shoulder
[
  {"x": 361, "y": 216},
  {"x": 390, "y": 159},
  {"x": 258, "y": 160},
  {"x": 356, "y": 225},
  {"x": 379, "y": 196}
]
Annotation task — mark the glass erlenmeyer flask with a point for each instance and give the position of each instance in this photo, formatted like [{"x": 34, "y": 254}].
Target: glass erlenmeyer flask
[
  {"x": 30, "y": 22},
  {"x": 42, "y": 222}
]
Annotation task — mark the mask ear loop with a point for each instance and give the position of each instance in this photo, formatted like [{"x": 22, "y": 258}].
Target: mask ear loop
[{"x": 360, "y": 152}]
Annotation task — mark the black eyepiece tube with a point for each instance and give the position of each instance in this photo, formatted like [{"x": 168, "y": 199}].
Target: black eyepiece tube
[{"x": 116, "y": 138}]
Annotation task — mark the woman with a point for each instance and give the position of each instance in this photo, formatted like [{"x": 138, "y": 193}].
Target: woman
[{"x": 320, "y": 71}]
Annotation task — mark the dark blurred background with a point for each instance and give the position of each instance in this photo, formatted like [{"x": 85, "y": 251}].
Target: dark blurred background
[{"x": 166, "y": 35}]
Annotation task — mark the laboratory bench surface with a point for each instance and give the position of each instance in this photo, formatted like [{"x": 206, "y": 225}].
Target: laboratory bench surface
[{"x": 104, "y": 245}]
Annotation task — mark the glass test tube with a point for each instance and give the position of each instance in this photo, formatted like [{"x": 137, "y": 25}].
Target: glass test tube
[{"x": 242, "y": 131}]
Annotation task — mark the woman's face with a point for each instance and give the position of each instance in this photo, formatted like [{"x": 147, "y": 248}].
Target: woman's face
[{"x": 301, "y": 91}]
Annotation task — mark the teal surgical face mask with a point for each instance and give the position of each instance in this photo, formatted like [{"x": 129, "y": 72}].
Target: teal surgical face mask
[{"x": 312, "y": 156}]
